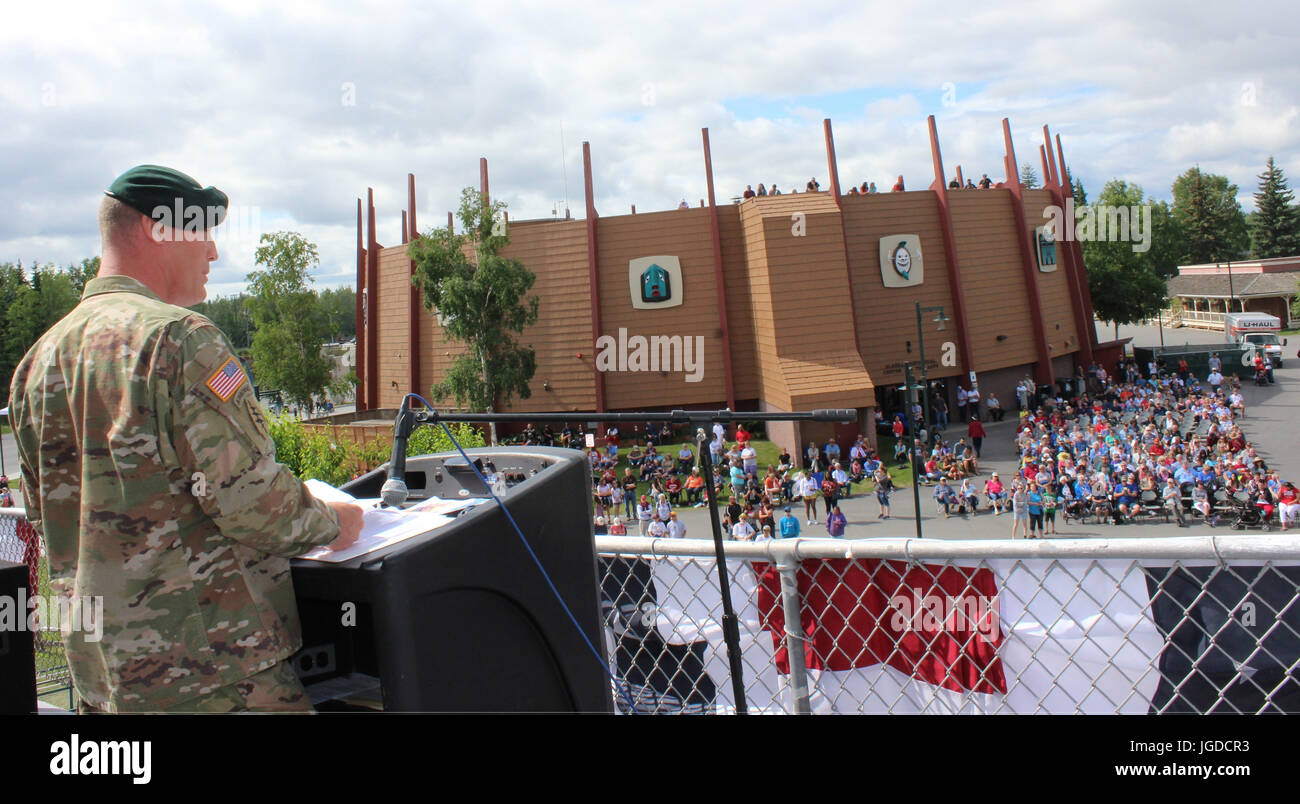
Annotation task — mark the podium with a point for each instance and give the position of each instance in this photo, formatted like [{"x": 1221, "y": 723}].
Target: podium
[
  {"x": 17, "y": 656},
  {"x": 460, "y": 619}
]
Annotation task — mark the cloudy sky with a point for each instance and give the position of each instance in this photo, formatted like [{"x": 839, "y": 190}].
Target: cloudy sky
[{"x": 294, "y": 109}]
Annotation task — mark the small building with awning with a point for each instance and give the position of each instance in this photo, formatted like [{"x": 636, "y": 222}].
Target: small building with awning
[{"x": 1201, "y": 294}]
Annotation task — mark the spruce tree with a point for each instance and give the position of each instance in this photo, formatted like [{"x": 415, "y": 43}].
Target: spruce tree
[{"x": 1275, "y": 230}]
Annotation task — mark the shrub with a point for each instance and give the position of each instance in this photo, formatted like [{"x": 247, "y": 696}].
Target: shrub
[
  {"x": 311, "y": 454},
  {"x": 432, "y": 438}
]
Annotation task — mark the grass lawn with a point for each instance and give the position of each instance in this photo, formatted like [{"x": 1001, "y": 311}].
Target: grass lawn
[{"x": 769, "y": 454}]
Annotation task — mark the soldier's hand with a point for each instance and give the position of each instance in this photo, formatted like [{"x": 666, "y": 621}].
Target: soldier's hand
[{"x": 350, "y": 516}]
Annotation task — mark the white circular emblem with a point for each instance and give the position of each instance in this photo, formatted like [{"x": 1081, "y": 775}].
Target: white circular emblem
[{"x": 902, "y": 260}]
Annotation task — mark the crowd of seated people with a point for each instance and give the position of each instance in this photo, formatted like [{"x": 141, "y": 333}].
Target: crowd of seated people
[{"x": 1146, "y": 445}]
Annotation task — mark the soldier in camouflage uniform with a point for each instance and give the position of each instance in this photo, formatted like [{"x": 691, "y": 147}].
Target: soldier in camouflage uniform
[{"x": 152, "y": 476}]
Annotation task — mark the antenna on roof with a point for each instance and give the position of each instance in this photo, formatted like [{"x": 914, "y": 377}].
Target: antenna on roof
[{"x": 565, "y": 170}]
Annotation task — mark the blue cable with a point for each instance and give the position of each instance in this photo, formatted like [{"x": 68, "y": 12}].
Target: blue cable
[{"x": 622, "y": 687}]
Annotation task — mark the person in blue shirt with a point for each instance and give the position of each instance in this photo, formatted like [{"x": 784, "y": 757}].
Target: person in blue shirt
[
  {"x": 945, "y": 495},
  {"x": 789, "y": 525},
  {"x": 1035, "y": 499},
  {"x": 737, "y": 478},
  {"x": 1126, "y": 496}
]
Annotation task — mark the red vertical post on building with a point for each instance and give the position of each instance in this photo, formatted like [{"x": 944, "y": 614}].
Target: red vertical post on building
[
  {"x": 1080, "y": 268},
  {"x": 359, "y": 352},
  {"x": 483, "y": 179},
  {"x": 719, "y": 278},
  {"x": 832, "y": 165},
  {"x": 372, "y": 304},
  {"x": 961, "y": 180},
  {"x": 1043, "y": 368},
  {"x": 1047, "y": 171},
  {"x": 1065, "y": 253},
  {"x": 940, "y": 189},
  {"x": 414, "y": 351},
  {"x": 593, "y": 270},
  {"x": 1055, "y": 177}
]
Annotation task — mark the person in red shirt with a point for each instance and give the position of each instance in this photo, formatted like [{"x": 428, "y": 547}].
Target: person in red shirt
[
  {"x": 742, "y": 435},
  {"x": 674, "y": 489},
  {"x": 898, "y": 185},
  {"x": 976, "y": 434},
  {"x": 1288, "y": 503}
]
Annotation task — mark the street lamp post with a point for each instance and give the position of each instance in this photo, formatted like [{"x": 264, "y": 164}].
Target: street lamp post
[
  {"x": 939, "y": 319},
  {"x": 911, "y": 446}
]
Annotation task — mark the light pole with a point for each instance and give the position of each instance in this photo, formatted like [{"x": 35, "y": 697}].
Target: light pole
[
  {"x": 911, "y": 446},
  {"x": 939, "y": 319}
]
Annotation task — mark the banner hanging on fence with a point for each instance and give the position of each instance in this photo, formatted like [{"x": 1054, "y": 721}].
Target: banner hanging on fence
[{"x": 1003, "y": 636}]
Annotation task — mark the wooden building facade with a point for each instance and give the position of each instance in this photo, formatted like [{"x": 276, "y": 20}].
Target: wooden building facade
[{"x": 782, "y": 303}]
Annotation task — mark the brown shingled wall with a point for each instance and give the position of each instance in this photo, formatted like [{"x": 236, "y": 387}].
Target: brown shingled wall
[
  {"x": 394, "y": 331},
  {"x": 887, "y": 316},
  {"x": 557, "y": 253},
  {"x": 1053, "y": 287},
  {"x": 992, "y": 279},
  {"x": 686, "y": 235}
]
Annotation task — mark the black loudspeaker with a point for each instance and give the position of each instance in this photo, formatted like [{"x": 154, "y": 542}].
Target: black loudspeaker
[
  {"x": 460, "y": 619},
  {"x": 17, "y": 653}
]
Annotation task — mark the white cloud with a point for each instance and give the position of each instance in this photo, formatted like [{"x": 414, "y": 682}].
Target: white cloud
[{"x": 298, "y": 108}]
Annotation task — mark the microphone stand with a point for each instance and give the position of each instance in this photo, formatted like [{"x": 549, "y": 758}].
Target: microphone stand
[
  {"x": 394, "y": 491},
  {"x": 730, "y": 625}
]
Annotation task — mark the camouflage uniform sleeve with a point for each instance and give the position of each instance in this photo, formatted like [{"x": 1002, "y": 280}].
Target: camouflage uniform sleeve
[{"x": 220, "y": 432}]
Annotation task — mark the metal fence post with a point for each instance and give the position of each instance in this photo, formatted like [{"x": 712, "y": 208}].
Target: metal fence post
[{"x": 795, "y": 639}]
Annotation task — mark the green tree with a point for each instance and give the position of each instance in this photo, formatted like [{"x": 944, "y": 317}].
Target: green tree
[
  {"x": 232, "y": 316},
  {"x": 1275, "y": 228},
  {"x": 1128, "y": 285},
  {"x": 479, "y": 297},
  {"x": 1211, "y": 220},
  {"x": 82, "y": 273},
  {"x": 1028, "y": 177},
  {"x": 1080, "y": 194},
  {"x": 339, "y": 308},
  {"x": 58, "y": 295},
  {"x": 288, "y": 337}
]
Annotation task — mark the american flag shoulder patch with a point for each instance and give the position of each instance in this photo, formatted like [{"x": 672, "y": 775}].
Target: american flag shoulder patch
[{"x": 227, "y": 380}]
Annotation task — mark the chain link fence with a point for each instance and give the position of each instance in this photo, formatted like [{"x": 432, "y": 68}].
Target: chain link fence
[
  {"x": 1187, "y": 625},
  {"x": 1175, "y": 625},
  {"x": 20, "y": 544}
]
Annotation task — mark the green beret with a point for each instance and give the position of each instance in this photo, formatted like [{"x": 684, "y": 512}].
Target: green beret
[{"x": 169, "y": 197}]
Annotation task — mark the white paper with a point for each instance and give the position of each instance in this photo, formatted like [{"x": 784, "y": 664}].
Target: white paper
[{"x": 382, "y": 527}]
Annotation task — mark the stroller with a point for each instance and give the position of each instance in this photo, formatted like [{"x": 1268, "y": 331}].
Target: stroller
[
  {"x": 1248, "y": 513},
  {"x": 1261, "y": 376}
]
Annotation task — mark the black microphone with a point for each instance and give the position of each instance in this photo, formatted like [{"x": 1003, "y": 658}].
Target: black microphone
[{"x": 394, "y": 491}]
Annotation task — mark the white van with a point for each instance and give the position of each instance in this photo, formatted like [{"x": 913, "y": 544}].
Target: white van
[{"x": 1256, "y": 329}]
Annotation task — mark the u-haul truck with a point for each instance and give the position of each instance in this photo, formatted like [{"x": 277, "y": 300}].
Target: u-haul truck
[{"x": 1259, "y": 330}]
